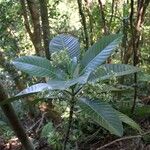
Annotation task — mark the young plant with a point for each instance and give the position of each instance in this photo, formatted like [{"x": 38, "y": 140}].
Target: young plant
[{"x": 73, "y": 72}]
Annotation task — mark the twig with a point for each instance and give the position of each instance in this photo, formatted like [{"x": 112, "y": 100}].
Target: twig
[
  {"x": 33, "y": 126},
  {"x": 121, "y": 139},
  {"x": 90, "y": 137},
  {"x": 40, "y": 124},
  {"x": 72, "y": 103}
]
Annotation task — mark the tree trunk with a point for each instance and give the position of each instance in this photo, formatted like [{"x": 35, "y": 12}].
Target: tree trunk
[
  {"x": 105, "y": 28},
  {"x": 35, "y": 35},
  {"x": 88, "y": 9},
  {"x": 45, "y": 27},
  {"x": 83, "y": 21},
  {"x": 135, "y": 37},
  {"x": 137, "y": 26},
  {"x": 14, "y": 122}
]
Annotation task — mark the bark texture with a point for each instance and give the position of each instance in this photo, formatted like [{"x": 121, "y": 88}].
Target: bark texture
[
  {"x": 84, "y": 24},
  {"x": 31, "y": 13},
  {"x": 134, "y": 42},
  {"x": 105, "y": 28},
  {"x": 45, "y": 27}
]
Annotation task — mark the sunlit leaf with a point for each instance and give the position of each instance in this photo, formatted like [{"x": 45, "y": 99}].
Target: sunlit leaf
[
  {"x": 107, "y": 71},
  {"x": 35, "y": 66},
  {"x": 65, "y": 42},
  {"x": 100, "y": 50}
]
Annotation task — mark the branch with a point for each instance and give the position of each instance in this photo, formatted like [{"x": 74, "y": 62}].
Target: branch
[{"x": 121, "y": 139}]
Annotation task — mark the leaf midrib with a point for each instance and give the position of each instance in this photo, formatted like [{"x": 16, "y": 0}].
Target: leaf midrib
[
  {"x": 47, "y": 70},
  {"x": 107, "y": 122}
]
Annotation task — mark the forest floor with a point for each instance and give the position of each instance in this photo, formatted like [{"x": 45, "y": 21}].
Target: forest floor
[{"x": 136, "y": 143}]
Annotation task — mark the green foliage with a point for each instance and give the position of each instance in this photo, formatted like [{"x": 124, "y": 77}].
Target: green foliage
[
  {"x": 35, "y": 66},
  {"x": 124, "y": 118},
  {"x": 66, "y": 72},
  {"x": 79, "y": 75},
  {"x": 103, "y": 114},
  {"x": 107, "y": 43},
  {"x": 102, "y": 56},
  {"x": 53, "y": 137},
  {"x": 108, "y": 71},
  {"x": 47, "y": 130},
  {"x": 5, "y": 130},
  {"x": 65, "y": 42}
]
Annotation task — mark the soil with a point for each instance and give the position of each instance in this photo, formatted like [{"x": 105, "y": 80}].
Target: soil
[{"x": 94, "y": 144}]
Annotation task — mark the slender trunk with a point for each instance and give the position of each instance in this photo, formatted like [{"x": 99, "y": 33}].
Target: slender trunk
[
  {"x": 112, "y": 14},
  {"x": 136, "y": 33},
  {"x": 14, "y": 122},
  {"x": 35, "y": 35},
  {"x": 90, "y": 21},
  {"x": 84, "y": 24},
  {"x": 35, "y": 17},
  {"x": 103, "y": 17},
  {"x": 45, "y": 26},
  {"x": 134, "y": 53},
  {"x": 104, "y": 25},
  {"x": 137, "y": 25}
]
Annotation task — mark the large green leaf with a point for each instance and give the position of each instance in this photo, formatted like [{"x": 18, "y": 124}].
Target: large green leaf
[
  {"x": 34, "y": 89},
  {"x": 65, "y": 42},
  {"x": 103, "y": 55},
  {"x": 124, "y": 118},
  {"x": 103, "y": 114},
  {"x": 98, "y": 47},
  {"x": 107, "y": 71},
  {"x": 35, "y": 66},
  {"x": 50, "y": 85}
]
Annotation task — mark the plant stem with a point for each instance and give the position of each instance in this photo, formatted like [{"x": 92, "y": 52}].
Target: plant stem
[
  {"x": 72, "y": 104},
  {"x": 14, "y": 121},
  {"x": 135, "y": 93}
]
